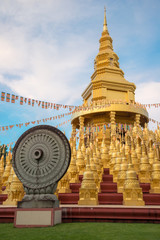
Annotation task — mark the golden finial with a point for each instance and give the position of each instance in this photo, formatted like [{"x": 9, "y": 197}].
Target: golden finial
[{"x": 105, "y": 21}]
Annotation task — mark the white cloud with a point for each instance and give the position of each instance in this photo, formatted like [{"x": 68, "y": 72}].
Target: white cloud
[
  {"x": 41, "y": 44},
  {"x": 46, "y": 71},
  {"x": 47, "y": 62},
  {"x": 37, "y": 13},
  {"x": 148, "y": 92}
]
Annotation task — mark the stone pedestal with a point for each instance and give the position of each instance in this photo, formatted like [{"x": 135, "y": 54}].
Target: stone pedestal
[
  {"x": 37, "y": 217},
  {"x": 38, "y": 204},
  {"x": 41, "y": 157}
]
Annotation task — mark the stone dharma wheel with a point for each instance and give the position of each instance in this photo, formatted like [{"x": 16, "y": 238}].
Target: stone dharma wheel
[{"x": 41, "y": 157}]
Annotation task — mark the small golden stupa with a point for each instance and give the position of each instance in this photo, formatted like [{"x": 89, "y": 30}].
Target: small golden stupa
[{"x": 88, "y": 193}]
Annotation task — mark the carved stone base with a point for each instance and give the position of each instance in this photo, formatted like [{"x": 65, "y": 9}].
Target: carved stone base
[
  {"x": 39, "y": 201},
  {"x": 38, "y": 204}
]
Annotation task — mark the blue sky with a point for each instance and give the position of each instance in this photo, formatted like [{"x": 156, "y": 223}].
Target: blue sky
[{"x": 47, "y": 51}]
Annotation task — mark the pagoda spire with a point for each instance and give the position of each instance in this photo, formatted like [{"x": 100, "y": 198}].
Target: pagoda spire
[
  {"x": 107, "y": 81},
  {"x": 105, "y": 21}
]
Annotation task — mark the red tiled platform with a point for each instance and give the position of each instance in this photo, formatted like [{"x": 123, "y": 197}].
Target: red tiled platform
[
  {"x": 3, "y": 197},
  {"x": 80, "y": 178},
  {"x": 145, "y": 187},
  {"x": 110, "y": 198},
  {"x": 103, "y": 198},
  {"x": 108, "y": 193},
  {"x": 68, "y": 198},
  {"x": 75, "y": 187},
  {"x": 151, "y": 199},
  {"x": 105, "y": 187},
  {"x": 108, "y": 187},
  {"x": 106, "y": 171},
  {"x": 101, "y": 214},
  {"x": 107, "y": 178},
  {"x": 97, "y": 214},
  {"x": 7, "y": 214}
]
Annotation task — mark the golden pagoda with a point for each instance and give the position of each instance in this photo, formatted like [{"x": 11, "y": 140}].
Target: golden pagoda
[
  {"x": 108, "y": 166},
  {"x": 109, "y": 97}
]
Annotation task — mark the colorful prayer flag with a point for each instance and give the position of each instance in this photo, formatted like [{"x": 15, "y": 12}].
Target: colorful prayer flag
[
  {"x": 2, "y": 96},
  {"x": 21, "y": 100},
  {"x": 13, "y": 98},
  {"x": 8, "y": 97}
]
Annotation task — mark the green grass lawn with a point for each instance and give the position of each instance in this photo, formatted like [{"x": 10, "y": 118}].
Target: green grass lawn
[{"x": 83, "y": 231}]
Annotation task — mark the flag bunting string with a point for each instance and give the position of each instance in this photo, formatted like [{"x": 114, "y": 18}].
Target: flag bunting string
[
  {"x": 19, "y": 125},
  {"x": 12, "y": 98},
  {"x": 154, "y": 121},
  {"x": 87, "y": 130},
  {"x": 58, "y": 125}
]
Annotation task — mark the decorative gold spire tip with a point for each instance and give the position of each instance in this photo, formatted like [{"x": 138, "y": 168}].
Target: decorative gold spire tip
[{"x": 105, "y": 21}]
